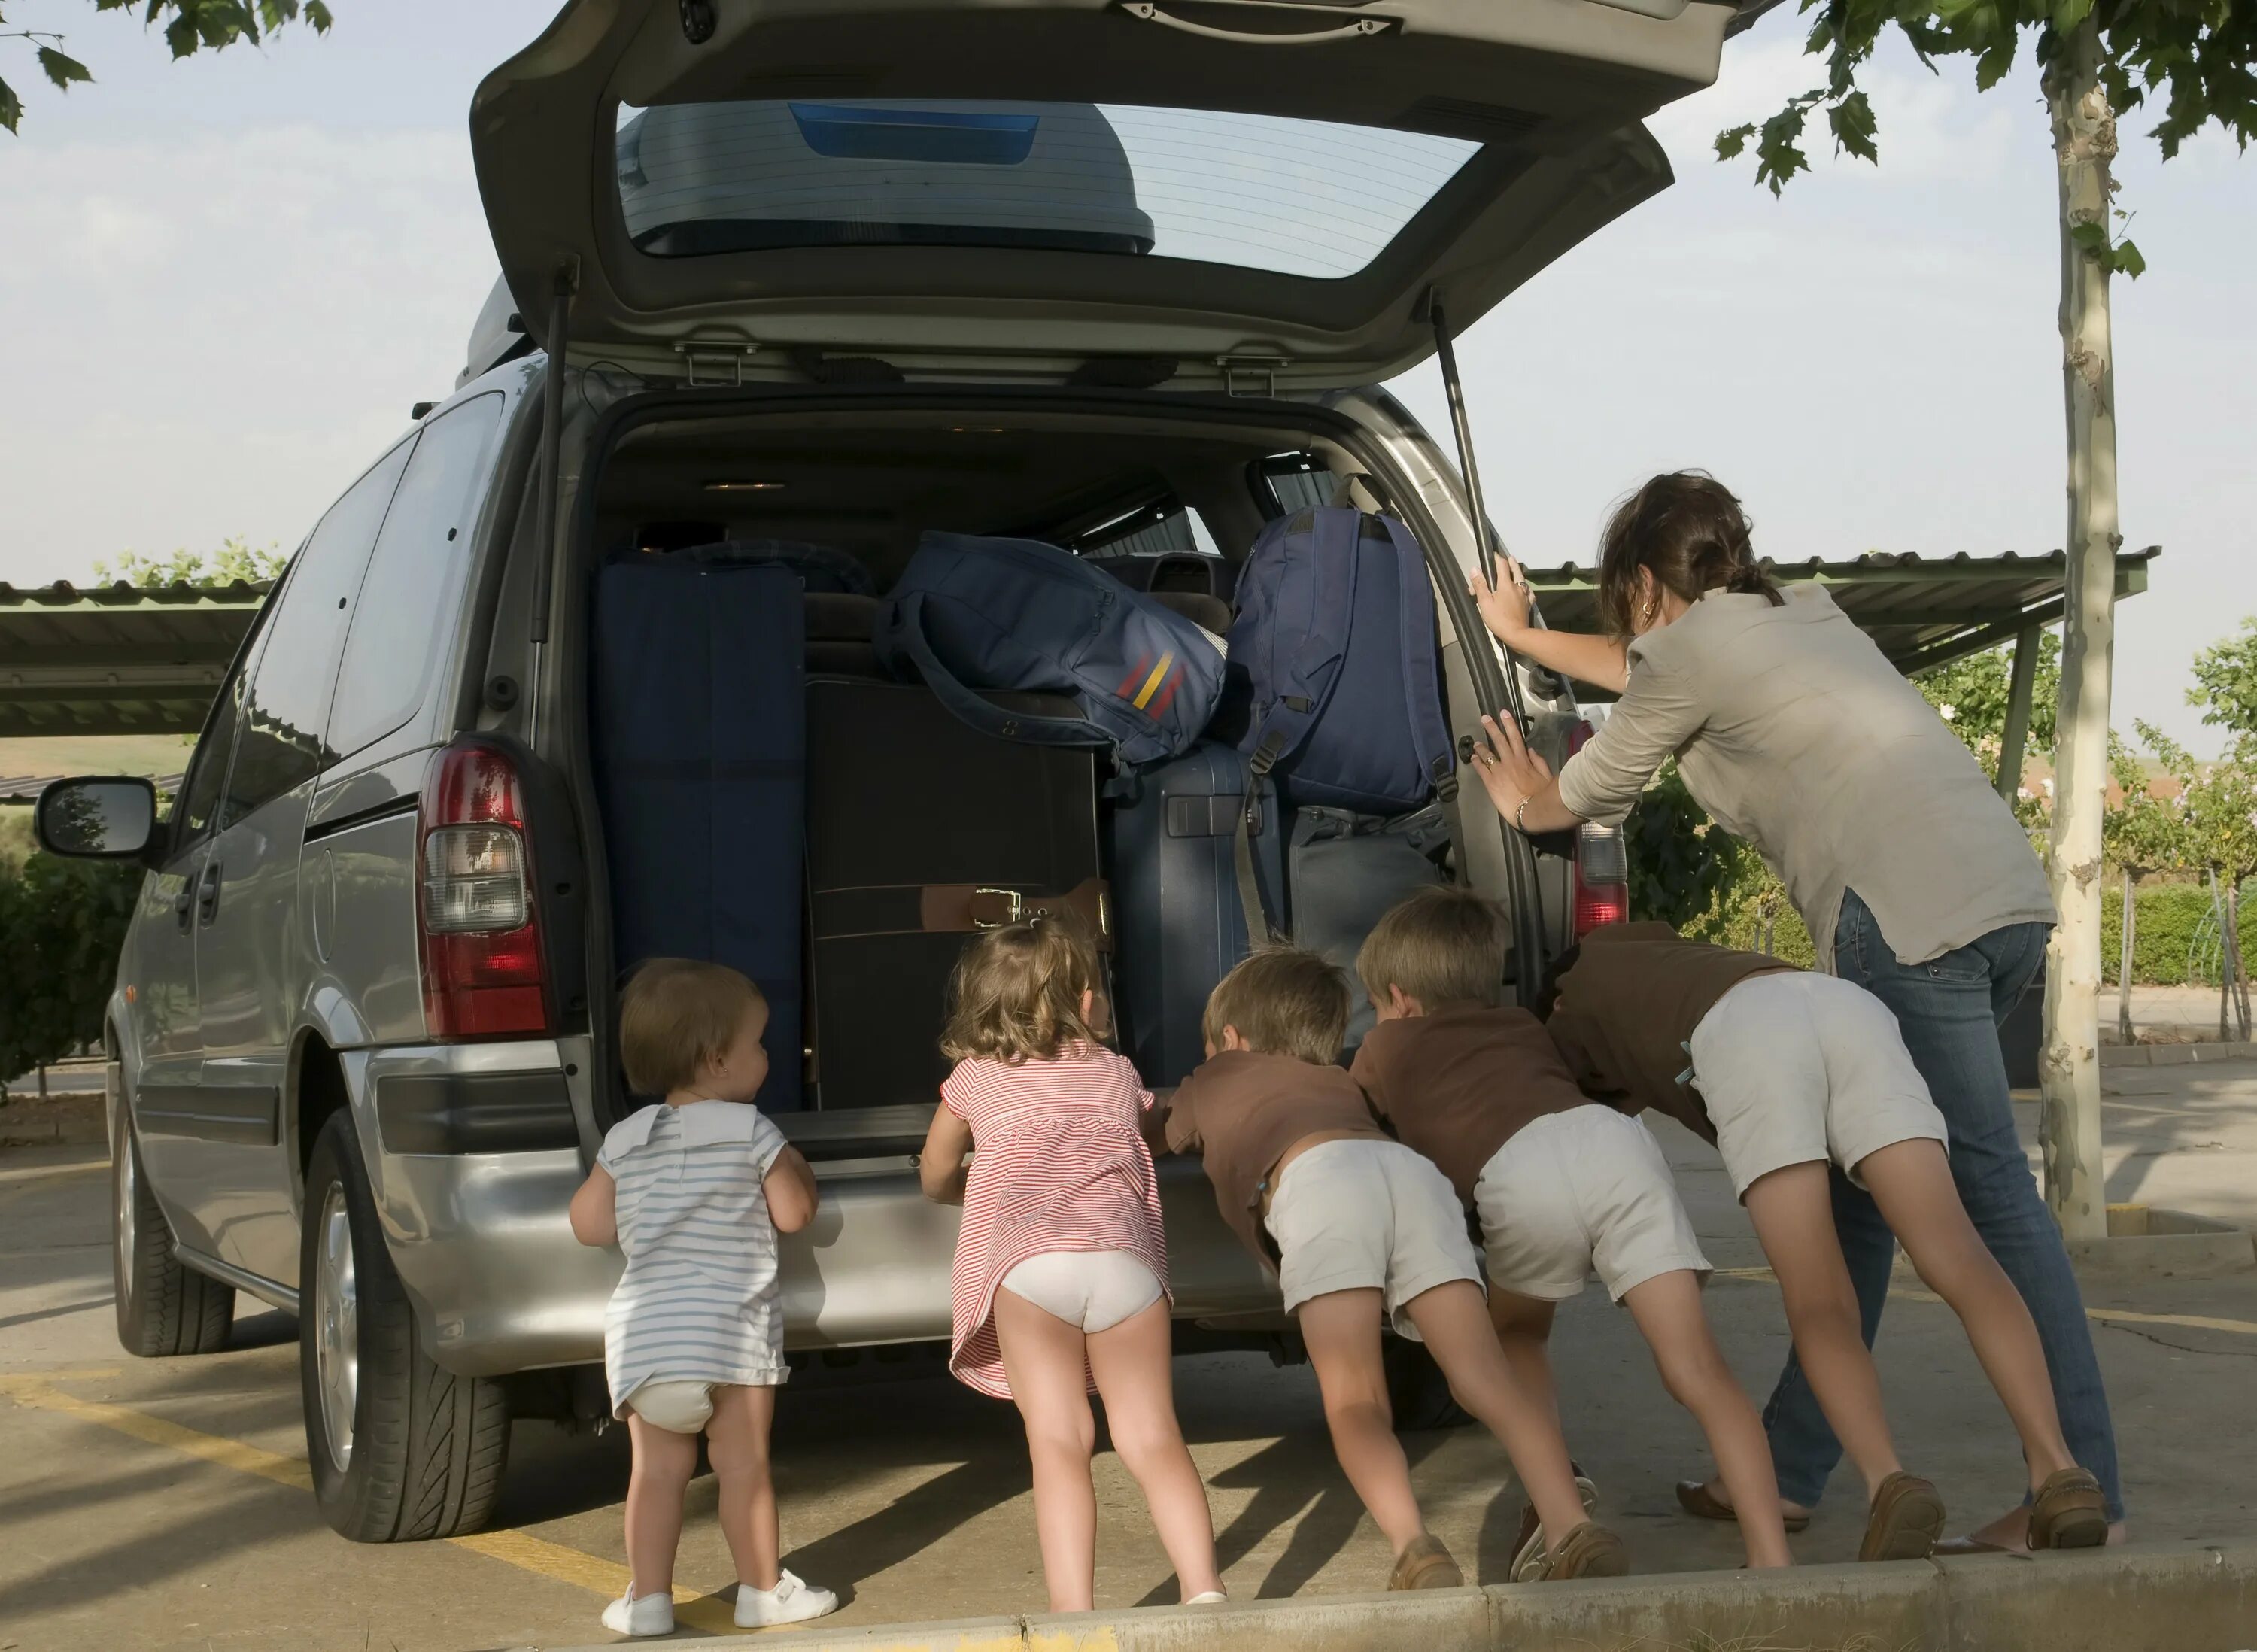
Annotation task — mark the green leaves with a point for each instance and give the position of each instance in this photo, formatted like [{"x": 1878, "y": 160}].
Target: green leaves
[
  {"x": 190, "y": 27},
  {"x": 2225, "y": 685},
  {"x": 1852, "y": 122},
  {"x": 2121, "y": 257}
]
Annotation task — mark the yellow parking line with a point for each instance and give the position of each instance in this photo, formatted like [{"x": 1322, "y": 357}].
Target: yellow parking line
[
  {"x": 41, "y": 1172},
  {"x": 2121, "y": 1315},
  {"x": 528, "y": 1553}
]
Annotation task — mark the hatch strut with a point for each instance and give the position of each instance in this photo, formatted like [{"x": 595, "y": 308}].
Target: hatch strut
[
  {"x": 1519, "y": 853},
  {"x": 552, "y": 452}
]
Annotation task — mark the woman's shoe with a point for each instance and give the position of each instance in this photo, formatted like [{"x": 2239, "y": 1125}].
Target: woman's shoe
[
  {"x": 1906, "y": 1520},
  {"x": 1590, "y": 1550},
  {"x": 1425, "y": 1565},
  {"x": 1696, "y": 1500},
  {"x": 2069, "y": 1512},
  {"x": 640, "y": 1615}
]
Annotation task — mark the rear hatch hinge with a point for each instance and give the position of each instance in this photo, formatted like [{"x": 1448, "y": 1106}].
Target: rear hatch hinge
[
  {"x": 715, "y": 362},
  {"x": 1251, "y": 375}
]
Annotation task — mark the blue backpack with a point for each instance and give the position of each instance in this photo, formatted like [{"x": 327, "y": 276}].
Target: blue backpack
[
  {"x": 1334, "y": 650},
  {"x": 971, "y": 614}
]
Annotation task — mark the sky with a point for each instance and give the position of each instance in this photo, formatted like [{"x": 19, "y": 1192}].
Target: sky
[{"x": 223, "y": 282}]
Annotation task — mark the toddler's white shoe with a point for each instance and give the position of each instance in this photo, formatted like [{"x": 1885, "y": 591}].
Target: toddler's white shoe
[
  {"x": 640, "y": 1615},
  {"x": 791, "y": 1601},
  {"x": 1212, "y": 1597}
]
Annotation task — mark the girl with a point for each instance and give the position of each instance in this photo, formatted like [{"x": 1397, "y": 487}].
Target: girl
[
  {"x": 1794, "y": 731},
  {"x": 695, "y": 1190},
  {"x": 1061, "y": 1266}
]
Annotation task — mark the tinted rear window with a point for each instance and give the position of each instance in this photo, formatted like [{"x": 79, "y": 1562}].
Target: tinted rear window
[{"x": 1294, "y": 197}]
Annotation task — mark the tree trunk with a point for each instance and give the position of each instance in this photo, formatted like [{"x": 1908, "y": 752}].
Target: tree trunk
[
  {"x": 2236, "y": 968},
  {"x": 2124, "y": 955},
  {"x": 2084, "y": 143}
]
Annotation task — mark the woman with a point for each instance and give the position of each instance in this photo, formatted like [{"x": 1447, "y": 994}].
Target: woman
[{"x": 1793, "y": 731}]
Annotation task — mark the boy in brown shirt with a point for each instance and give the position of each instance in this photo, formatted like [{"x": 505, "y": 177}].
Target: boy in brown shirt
[
  {"x": 1359, "y": 1227},
  {"x": 1790, "y": 1074},
  {"x": 1563, "y": 1185}
]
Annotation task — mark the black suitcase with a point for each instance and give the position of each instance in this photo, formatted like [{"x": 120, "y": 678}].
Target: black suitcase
[
  {"x": 920, "y": 832},
  {"x": 1169, "y": 837}
]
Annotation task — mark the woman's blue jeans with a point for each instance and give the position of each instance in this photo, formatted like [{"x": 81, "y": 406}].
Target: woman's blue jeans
[{"x": 1948, "y": 1010}]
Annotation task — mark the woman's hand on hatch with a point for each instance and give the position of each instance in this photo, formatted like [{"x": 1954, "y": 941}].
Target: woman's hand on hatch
[
  {"x": 1505, "y": 605},
  {"x": 1511, "y": 772}
]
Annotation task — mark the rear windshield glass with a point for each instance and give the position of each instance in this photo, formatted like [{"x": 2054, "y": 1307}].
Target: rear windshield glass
[{"x": 1294, "y": 197}]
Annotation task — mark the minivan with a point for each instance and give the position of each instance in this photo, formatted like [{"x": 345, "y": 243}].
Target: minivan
[{"x": 1118, "y": 275}]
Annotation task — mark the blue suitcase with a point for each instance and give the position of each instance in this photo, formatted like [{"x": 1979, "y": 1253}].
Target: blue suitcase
[
  {"x": 699, "y": 726},
  {"x": 1169, "y": 837}
]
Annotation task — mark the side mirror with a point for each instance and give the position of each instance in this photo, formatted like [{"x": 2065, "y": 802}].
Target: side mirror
[{"x": 111, "y": 818}]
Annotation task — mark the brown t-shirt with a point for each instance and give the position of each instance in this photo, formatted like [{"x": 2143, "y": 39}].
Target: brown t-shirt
[
  {"x": 1461, "y": 1081},
  {"x": 1242, "y": 1111},
  {"x": 1629, "y": 1006}
]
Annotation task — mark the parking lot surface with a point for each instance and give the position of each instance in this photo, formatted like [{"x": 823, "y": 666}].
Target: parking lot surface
[{"x": 161, "y": 1504}]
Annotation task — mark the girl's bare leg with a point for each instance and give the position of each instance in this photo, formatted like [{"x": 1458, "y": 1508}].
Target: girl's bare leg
[
  {"x": 1043, "y": 1357},
  {"x": 663, "y": 1463},
  {"x": 1455, "y": 1324},
  {"x": 737, "y": 1440},
  {"x": 1668, "y": 1310},
  {"x": 1910, "y": 1181},
  {"x": 1793, "y": 1210},
  {"x": 1134, "y": 1367},
  {"x": 1524, "y": 1331},
  {"x": 1341, "y": 1329}
]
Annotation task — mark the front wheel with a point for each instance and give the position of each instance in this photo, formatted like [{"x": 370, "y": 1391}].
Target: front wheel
[
  {"x": 402, "y": 1449},
  {"x": 163, "y": 1308}
]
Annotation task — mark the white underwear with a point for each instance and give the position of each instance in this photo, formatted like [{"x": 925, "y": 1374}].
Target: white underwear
[
  {"x": 679, "y": 1407},
  {"x": 1093, "y": 1289}
]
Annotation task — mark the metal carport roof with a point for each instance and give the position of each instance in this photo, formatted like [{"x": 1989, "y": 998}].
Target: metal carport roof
[{"x": 116, "y": 659}]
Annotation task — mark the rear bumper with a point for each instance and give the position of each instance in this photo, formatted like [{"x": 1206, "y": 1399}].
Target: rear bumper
[{"x": 499, "y": 1283}]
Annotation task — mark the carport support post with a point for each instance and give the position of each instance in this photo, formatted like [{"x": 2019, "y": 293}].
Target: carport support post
[
  {"x": 2019, "y": 687},
  {"x": 2084, "y": 142}
]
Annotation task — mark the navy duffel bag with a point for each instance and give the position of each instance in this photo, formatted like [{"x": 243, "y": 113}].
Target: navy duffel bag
[{"x": 970, "y": 614}]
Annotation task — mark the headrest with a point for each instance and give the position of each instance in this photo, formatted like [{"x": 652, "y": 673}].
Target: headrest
[{"x": 1208, "y": 614}]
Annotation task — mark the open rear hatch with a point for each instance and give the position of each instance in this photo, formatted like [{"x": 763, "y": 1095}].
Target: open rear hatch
[{"x": 1201, "y": 192}]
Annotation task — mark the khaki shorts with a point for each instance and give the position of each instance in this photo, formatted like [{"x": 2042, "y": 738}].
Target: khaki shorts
[
  {"x": 1795, "y": 1067},
  {"x": 1581, "y": 1191},
  {"x": 1361, "y": 1214}
]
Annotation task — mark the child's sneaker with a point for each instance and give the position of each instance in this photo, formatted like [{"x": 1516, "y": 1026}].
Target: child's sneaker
[
  {"x": 1425, "y": 1565},
  {"x": 1590, "y": 1550},
  {"x": 791, "y": 1601},
  {"x": 640, "y": 1615},
  {"x": 1212, "y": 1597},
  {"x": 1528, "y": 1548}
]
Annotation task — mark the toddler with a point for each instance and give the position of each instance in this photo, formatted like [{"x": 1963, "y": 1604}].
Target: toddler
[
  {"x": 695, "y": 1191},
  {"x": 1362, "y": 1230},
  {"x": 1061, "y": 1264},
  {"x": 1789, "y": 1073},
  {"x": 1562, "y": 1185}
]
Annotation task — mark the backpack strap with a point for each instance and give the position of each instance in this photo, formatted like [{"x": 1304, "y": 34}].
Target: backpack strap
[
  {"x": 1430, "y": 725},
  {"x": 977, "y": 709},
  {"x": 1258, "y": 929}
]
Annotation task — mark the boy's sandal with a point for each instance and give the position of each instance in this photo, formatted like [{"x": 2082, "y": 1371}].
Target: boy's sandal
[
  {"x": 1425, "y": 1565},
  {"x": 1590, "y": 1550},
  {"x": 1696, "y": 1500},
  {"x": 1906, "y": 1520},
  {"x": 2069, "y": 1512}
]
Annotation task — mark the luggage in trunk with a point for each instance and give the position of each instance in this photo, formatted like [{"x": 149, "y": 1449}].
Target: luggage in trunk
[
  {"x": 1168, "y": 839},
  {"x": 922, "y": 830},
  {"x": 697, "y": 728}
]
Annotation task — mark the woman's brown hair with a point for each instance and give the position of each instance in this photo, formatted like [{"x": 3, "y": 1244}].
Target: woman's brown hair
[
  {"x": 1689, "y": 531},
  {"x": 1016, "y": 993}
]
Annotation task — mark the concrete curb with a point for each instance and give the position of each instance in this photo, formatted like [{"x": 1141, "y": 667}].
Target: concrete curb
[
  {"x": 2150, "y": 1242},
  {"x": 2174, "y": 1054},
  {"x": 2190, "y": 1597}
]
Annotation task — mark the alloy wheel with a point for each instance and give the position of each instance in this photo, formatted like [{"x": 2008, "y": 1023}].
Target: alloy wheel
[{"x": 337, "y": 1329}]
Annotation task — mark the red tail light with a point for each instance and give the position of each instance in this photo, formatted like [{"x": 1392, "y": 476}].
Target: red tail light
[
  {"x": 485, "y": 974},
  {"x": 1602, "y": 866}
]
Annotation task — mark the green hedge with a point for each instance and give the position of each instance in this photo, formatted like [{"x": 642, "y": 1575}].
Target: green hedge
[{"x": 2169, "y": 914}]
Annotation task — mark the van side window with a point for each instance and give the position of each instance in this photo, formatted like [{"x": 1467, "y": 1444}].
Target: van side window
[
  {"x": 198, "y": 803},
  {"x": 414, "y": 577},
  {"x": 1285, "y": 484},
  {"x": 289, "y": 706}
]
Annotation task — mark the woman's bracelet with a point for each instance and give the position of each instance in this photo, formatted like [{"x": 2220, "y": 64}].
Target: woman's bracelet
[{"x": 1519, "y": 814}]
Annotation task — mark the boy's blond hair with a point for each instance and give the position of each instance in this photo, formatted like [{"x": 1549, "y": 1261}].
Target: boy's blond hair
[
  {"x": 1016, "y": 993},
  {"x": 677, "y": 1015},
  {"x": 1443, "y": 945},
  {"x": 1284, "y": 1001}
]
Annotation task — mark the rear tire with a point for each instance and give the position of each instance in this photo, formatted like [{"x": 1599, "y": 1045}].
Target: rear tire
[
  {"x": 401, "y": 1448},
  {"x": 1417, "y": 1390},
  {"x": 164, "y": 1309}
]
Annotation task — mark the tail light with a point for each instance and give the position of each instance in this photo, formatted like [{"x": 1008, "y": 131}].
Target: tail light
[
  {"x": 485, "y": 974},
  {"x": 1602, "y": 865}
]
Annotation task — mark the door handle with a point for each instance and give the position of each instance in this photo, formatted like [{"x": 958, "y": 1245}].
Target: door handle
[
  {"x": 1150, "y": 12},
  {"x": 207, "y": 896},
  {"x": 181, "y": 902}
]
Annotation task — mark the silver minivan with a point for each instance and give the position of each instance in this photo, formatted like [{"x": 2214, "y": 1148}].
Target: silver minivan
[{"x": 1119, "y": 274}]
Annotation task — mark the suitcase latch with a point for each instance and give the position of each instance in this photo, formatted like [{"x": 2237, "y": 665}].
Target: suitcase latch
[{"x": 1014, "y": 907}]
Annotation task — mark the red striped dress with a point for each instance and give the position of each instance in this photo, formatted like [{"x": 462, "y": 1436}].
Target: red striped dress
[{"x": 1060, "y": 1165}]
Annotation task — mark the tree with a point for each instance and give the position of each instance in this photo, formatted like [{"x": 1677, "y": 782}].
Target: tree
[
  {"x": 2226, "y": 684},
  {"x": 2219, "y": 802},
  {"x": 2139, "y": 833},
  {"x": 190, "y": 27},
  {"x": 234, "y": 560},
  {"x": 1970, "y": 695},
  {"x": 61, "y": 924},
  {"x": 2097, "y": 58}
]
